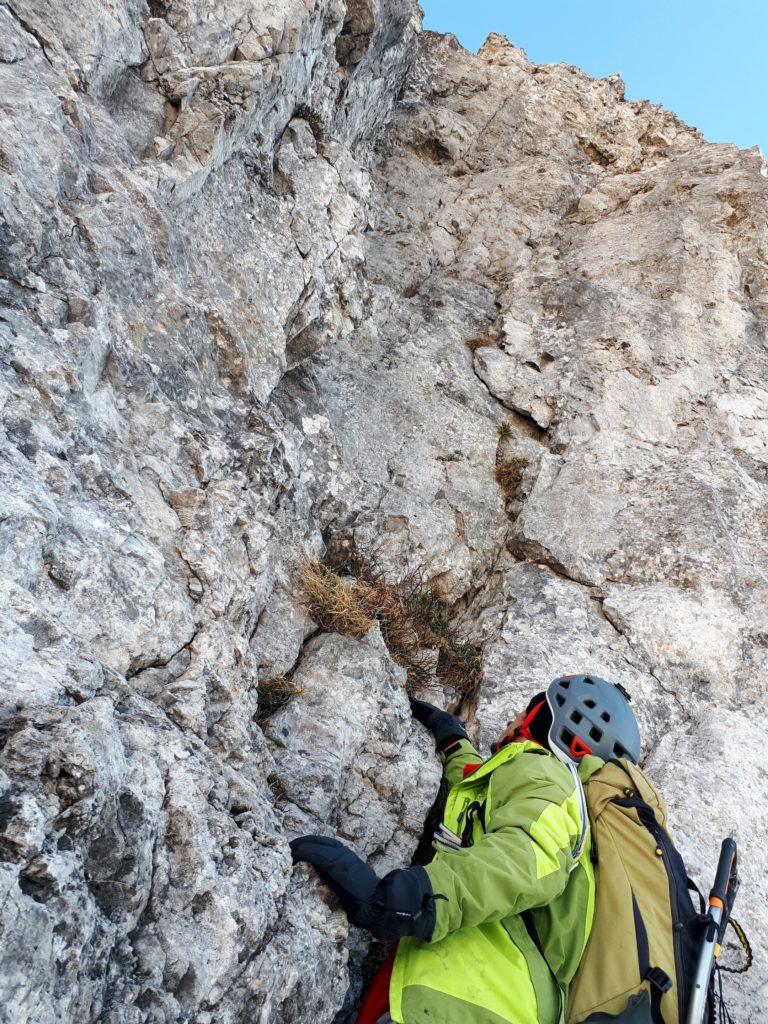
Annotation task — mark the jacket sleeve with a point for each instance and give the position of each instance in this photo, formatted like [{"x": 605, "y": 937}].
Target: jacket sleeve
[
  {"x": 523, "y": 860},
  {"x": 458, "y": 756}
]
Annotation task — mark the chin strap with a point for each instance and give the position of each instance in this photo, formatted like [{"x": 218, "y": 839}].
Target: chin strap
[{"x": 525, "y": 728}]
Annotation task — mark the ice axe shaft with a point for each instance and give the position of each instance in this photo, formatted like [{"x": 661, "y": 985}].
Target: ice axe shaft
[{"x": 721, "y": 899}]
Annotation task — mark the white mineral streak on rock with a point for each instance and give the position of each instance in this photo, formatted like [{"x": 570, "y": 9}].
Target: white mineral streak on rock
[{"x": 272, "y": 275}]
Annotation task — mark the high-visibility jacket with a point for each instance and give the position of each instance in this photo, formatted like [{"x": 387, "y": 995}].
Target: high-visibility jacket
[{"x": 488, "y": 961}]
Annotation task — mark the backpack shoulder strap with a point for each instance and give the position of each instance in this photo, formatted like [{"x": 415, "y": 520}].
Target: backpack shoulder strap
[
  {"x": 621, "y": 778},
  {"x": 647, "y": 791}
]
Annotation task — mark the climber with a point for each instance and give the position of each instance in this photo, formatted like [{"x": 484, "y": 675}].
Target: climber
[{"x": 492, "y": 929}]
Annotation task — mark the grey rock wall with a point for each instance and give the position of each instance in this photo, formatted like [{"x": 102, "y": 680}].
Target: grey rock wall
[{"x": 272, "y": 276}]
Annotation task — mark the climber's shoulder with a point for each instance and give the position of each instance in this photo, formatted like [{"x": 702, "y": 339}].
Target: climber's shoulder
[{"x": 532, "y": 773}]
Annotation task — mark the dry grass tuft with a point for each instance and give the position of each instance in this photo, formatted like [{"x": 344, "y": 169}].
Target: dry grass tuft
[
  {"x": 274, "y": 693},
  {"x": 335, "y": 605},
  {"x": 414, "y": 620},
  {"x": 481, "y": 341},
  {"x": 508, "y": 474},
  {"x": 279, "y": 789},
  {"x": 460, "y": 665}
]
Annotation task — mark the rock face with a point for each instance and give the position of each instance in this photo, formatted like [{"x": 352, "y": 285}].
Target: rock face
[{"x": 273, "y": 277}]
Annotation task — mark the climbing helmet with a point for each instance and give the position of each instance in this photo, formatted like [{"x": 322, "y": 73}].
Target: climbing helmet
[{"x": 591, "y": 716}]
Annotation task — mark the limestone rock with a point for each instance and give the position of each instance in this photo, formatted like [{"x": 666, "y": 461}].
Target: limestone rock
[
  {"x": 286, "y": 277},
  {"x": 344, "y": 754}
]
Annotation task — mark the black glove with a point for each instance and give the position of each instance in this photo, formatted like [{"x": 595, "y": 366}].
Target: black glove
[
  {"x": 441, "y": 724},
  {"x": 400, "y": 904},
  {"x": 346, "y": 873}
]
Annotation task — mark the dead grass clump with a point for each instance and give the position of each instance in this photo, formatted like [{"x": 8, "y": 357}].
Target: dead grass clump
[
  {"x": 509, "y": 473},
  {"x": 273, "y": 694},
  {"x": 279, "y": 789},
  {"x": 414, "y": 620},
  {"x": 405, "y": 612},
  {"x": 416, "y": 625},
  {"x": 335, "y": 605},
  {"x": 459, "y": 665},
  {"x": 481, "y": 341}
]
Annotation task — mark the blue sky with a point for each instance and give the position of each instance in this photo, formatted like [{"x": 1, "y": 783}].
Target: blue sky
[{"x": 706, "y": 61}]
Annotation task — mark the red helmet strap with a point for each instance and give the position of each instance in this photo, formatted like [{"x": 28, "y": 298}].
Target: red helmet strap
[{"x": 525, "y": 728}]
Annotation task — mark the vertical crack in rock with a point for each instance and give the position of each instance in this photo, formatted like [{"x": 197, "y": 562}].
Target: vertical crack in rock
[{"x": 279, "y": 275}]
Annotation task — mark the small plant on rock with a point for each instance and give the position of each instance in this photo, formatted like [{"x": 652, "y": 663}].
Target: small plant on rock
[
  {"x": 274, "y": 693},
  {"x": 351, "y": 594},
  {"x": 509, "y": 473},
  {"x": 481, "y": 341},
  {"x": 313, "y": 119},
  {"x": 334, "y": 604}
]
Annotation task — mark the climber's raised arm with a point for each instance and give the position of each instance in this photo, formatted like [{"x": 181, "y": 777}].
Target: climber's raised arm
[{"x": 453, "y": 745}]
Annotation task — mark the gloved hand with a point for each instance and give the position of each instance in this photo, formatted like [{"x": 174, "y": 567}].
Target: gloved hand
[
  {"x": 400, "y": 904},
  {"x": 341, "y": 868},
  {"x": 441, "y": 724}
]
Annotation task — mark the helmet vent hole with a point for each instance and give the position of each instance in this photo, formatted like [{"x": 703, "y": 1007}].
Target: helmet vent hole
[
  {"x": 619, "y": 751},
  {"x": 576, "y": 716},
  {"x": 589, "y": 681},
  {"x": 566, "y": 737},
  {"x": 589, "y": 703},
  {"x": 595, "y": 733},
  {"x": 560, "y": 699},
  {"x": 564, "y": 684},
  {"x": 605, "y": 716}
]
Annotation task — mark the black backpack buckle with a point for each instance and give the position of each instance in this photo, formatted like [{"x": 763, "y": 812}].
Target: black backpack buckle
[{"x": 659, "y": 979}]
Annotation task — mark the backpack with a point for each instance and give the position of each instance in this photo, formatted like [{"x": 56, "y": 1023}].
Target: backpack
[{"x": 642, "y": 952}]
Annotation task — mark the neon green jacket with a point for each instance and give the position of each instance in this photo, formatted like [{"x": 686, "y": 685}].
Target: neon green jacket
[{"x": 521, "y": 811}]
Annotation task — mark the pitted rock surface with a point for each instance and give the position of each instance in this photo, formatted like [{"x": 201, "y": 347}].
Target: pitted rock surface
[{"x": 273, "y": 276}]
